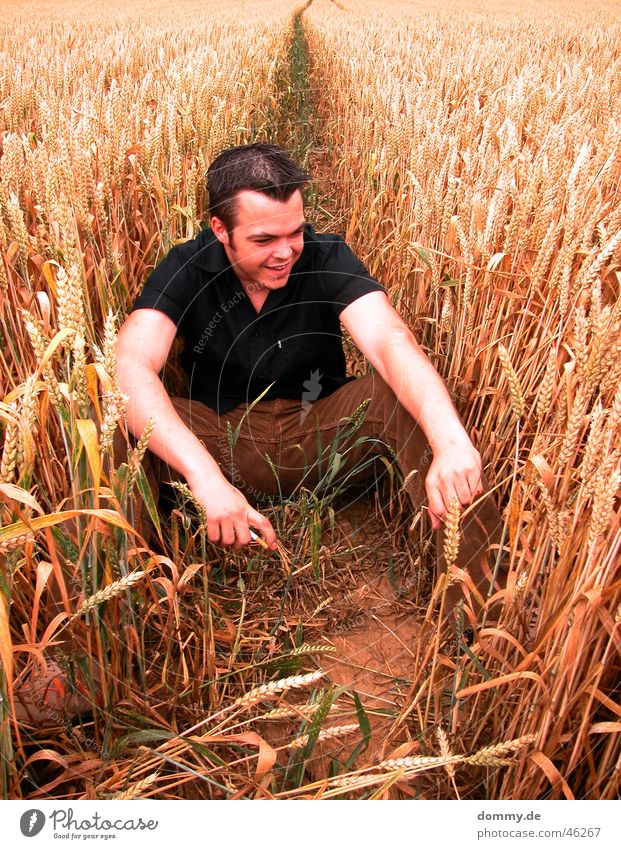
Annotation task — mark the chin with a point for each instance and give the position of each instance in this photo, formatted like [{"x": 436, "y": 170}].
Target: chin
[{"x": 277, "y": 284}]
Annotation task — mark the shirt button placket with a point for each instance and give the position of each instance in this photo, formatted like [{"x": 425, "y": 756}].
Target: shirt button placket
[
  {"x": 262, "y": 374},
  {"x": 255, "y": 352}
]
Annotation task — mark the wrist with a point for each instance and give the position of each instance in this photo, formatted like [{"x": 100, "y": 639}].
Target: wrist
[
  {"x": 202, "y": 469},
  {"x": 450, "y": 437}
]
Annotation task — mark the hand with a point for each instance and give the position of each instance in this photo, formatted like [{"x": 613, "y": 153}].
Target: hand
[
  {"x": 455, "y": 472},
  {"x": 229, "y": 515}
]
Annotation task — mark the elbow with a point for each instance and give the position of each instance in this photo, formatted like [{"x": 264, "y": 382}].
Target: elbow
[
  {"x": 399, "y": 344},
  {"x": 131, "y": 371},
  {"x": 131, "y": 359},
  {"x": 402, "y": 335},
  {"x": 124, "y": 367},
  {"x": 143, "y": 344},
  {"x": 123, "y": 375}
]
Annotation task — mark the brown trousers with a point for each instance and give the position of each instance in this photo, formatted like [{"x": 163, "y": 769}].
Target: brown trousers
[{"x": 299, "y": 438}]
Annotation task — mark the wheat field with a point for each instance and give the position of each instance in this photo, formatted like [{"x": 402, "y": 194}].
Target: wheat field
[{"x": 471, "y": 154}]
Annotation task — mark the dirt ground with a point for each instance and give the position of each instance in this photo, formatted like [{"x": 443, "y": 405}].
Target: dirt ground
[{"x": 372, "y": 619}]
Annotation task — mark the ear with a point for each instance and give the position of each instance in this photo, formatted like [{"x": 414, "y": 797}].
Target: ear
[{"x": 219, "y": 230}]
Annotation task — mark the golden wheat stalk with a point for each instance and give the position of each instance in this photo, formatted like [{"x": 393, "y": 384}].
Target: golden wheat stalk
[
  {"x": 109, "y": 592},
  {"x": 185, "y": 490},
  {"x": 15, "y": 542},
  {"x": 139, "y": 452},
  {"x": 544, "y": 397},
  {"x": 273, "y": 688},
  {"x": 518, "y": 404},
  {"x": 39, "y": 342},
  {"x": 307, "y": 648},
  {"x": 605, "y": 492},
  {"x": 306, "y": 711},
  {"x": 325, "y": 734},
  {"x": 9, "y": 452},
  {"x": 445, "y": 751},
  {"x": 489, "y": 755},
  {"x": 70, "y": 300},
  {"x": 136, "y": 790},
  {"x": 79, "y": 377},
  {"x": 451, "y": 533}
]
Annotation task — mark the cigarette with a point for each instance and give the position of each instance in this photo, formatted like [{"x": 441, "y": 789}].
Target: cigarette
[{"x": 257, "y": 538}]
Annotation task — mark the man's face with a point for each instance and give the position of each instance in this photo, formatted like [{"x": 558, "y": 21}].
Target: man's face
[{"x": 267, "y": 239}]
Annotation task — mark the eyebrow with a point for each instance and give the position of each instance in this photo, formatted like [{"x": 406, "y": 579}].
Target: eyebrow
[{"x": 265, "y": 235}]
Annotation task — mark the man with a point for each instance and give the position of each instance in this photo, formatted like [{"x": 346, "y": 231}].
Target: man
[{"x": 260, "y": 298}]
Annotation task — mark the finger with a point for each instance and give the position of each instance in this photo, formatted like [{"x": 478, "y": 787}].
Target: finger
[
  {"x": 475, "y": 482},
  {"x": 213, "y": 531},
  {"x": 264, "y": 525},
  {"x": 437, "y": 510},
  {"x": 242, "y": 534},
  {"x": 237, "y": 545},
  {"x": 463, "y": 492},
  {"x": 228, "y": 533},
  {"x": 436, "y": 524}
]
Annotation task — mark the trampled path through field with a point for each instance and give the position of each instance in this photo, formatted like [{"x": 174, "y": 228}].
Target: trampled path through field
[{"x": 374, "y": 615}]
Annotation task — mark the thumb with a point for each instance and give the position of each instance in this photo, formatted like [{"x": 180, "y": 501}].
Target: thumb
[{"x": 263, "y": 524}]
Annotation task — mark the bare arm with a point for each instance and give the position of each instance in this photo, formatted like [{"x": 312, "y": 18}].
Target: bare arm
[
  {"x": 389, "y": 345},
  {"x": 142, "y": 349}
]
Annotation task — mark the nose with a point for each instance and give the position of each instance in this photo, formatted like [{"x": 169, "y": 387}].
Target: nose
[{"x": 283, "y": 251}]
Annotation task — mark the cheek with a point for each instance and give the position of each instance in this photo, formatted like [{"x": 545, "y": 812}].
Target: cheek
[
  {"x": 256, "y": 254},
  {"x": 262, "y": 255}
]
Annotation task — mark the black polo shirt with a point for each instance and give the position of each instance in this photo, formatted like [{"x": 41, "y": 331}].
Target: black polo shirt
[{"x": 231, "y": 352}]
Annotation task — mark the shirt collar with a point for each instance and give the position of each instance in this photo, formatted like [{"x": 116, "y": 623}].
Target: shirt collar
[
  {"x": 311, "y": 243},
  {"x": 210, "y": 253},
  {"x": 211, "y": 256}
]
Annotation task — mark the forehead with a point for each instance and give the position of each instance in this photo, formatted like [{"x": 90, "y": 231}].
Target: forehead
[{"x": 256, "y": 211}]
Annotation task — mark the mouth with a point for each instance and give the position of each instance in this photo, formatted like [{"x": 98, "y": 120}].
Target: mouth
[{"x": 279, "y": 271}]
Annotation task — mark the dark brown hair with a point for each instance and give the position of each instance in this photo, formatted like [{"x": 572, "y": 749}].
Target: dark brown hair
[{"x": 262, "y": 167}]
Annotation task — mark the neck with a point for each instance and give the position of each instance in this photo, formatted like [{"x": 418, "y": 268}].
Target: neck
[{"x": 257, "y": 297}]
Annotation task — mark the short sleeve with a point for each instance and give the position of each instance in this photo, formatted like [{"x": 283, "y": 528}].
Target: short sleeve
[
  {"x": 168, "y": 288},
  {"x": 344, "y": 277}
]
